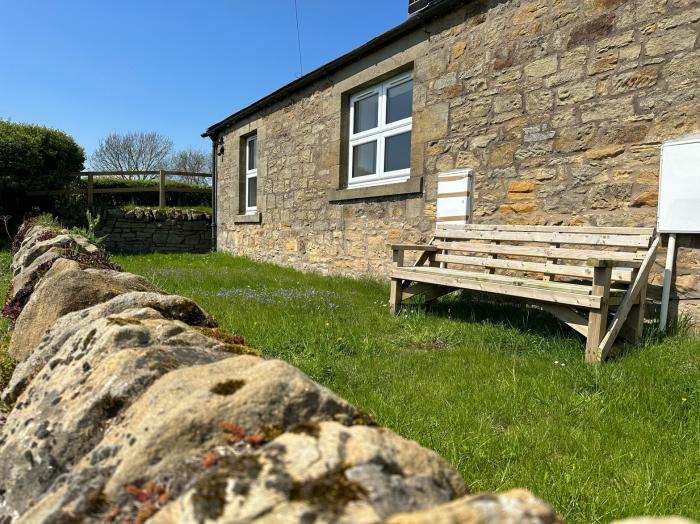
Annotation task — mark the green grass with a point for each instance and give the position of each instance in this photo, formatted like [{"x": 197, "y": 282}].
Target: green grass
[
  {"x": 503, "y": 394},
  {"x": 7, "y": 363}
]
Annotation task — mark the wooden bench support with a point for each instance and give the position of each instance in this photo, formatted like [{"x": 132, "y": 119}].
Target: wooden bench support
[
  {"x": 568, "y": 316},
  {"x": 395, "y": 296},
  {"x": 634, "y": 325},
  {"x": 598, "y": 318},
  {"x": 628, "y": 302},
  {"x": 437, "y": 292}
]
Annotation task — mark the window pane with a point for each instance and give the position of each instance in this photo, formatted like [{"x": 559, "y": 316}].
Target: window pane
[
  {"x": 366, "y": 113},
  {"x": 397, "y": 152},
  {"x": 252, "y": 153},
  {"x": 364, "y": 159},
  {"x": 252, "y": 192},
  {"x": 399, "y": 102}
]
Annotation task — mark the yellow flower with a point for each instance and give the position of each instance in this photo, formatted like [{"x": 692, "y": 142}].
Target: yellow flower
[{"x": 683, "y": 399}]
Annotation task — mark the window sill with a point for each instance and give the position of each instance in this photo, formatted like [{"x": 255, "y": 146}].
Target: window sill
[
  {"x": 252, "y": 218},
  {"x": 410, "y": 186}
]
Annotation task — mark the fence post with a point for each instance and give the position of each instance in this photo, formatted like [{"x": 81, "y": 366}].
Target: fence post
[
  {"x": 161, "y": 198},
  {"x": 90, "y": 190}
]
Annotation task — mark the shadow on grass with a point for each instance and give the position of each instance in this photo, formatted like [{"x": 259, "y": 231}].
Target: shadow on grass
[
  {"x": 477, "y": 308},
  {"x": 528, "y": 320}
]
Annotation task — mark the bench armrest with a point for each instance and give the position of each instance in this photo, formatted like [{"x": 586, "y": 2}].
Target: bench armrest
[
  {"x": 412, "y": 247},
  {"x": 607, "y": 262}
]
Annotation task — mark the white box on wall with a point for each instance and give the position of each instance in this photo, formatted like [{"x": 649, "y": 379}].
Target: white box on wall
[
  {"x": 679, "y": 186},
  {"x": 454, "y": 197}
]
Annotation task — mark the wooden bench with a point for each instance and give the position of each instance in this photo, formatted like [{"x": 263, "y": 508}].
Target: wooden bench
[{"x": 578, "y": 274}]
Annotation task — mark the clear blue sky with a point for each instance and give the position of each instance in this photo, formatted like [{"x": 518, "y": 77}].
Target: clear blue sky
[{"x": 92, "y": 67}]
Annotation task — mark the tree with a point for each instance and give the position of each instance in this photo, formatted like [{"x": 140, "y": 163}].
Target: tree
[
  {"x": 34, "y": 158},
  {"x": 194, "y": 161},
  {"x": 132, "y": 152}
]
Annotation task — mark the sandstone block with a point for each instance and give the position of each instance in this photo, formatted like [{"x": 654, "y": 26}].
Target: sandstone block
[
  {"x": 33, "y": 247},
  {"x": 575, "y": 93},
  {"x": 66, "y": 288},
  {"x": 648, "y": 198},
  {"x": 638, "y": 79},
  {"x": 519, "y": 207},
  {"x": 511, "y": 507},
  {"x": 521, "y": 187},
  {"x": 670, "y": 42},
  {"x": 171, "y": 307},
  {"x": 291, "y": 471},
  {"x": 542, "y": 67},
  {"x": 506, "y": 103},
  {"x": 101, "y": 367},
  {"x": 458, "y": 49},
  {"x": 503, "y": 154},
  {"x": 604, "y": 152}
]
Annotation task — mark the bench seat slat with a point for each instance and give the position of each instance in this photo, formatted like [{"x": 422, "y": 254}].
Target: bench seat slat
[
  {"x": 547, "y": 268},
  {"x": 518, "y": 281},
  {"x": 556, "y": 292},
  {"x": 645, "y": 231},
  {"x": 634, "y": 259},
  {"x": 554, "y": 237}
]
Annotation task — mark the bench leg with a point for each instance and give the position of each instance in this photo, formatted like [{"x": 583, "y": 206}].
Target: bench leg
[
  {"x": 597, "y": 325},
  {"x": 634, "y": 324},
  {"x": 598, "y": 318},
  {"x": 395, "y": 296}
]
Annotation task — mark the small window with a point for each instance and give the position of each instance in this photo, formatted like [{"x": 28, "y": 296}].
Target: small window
[
  {"x": 251, "y": 174},
  {"x": 380, "y": 133}
]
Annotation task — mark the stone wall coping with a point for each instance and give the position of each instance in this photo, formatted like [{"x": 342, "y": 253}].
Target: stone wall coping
[
  {"x": 410, "y": 186},
  {"x": 252, "y": 218}
]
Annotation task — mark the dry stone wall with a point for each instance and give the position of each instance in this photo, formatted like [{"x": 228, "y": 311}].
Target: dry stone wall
[
  {"x": 132, "y": 407},
  {"x": 152, "y": 230},
  {"x": 559, "y": 105}
]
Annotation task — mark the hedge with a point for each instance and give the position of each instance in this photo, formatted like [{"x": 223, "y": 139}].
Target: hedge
[{"x": 33, "y": 158}]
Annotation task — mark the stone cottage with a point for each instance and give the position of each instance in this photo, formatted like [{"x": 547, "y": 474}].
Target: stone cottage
[{"x": 560, "y": 107}]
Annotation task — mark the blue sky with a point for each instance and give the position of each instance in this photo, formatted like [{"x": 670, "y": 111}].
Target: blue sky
[{"x": 92, "y": 67}]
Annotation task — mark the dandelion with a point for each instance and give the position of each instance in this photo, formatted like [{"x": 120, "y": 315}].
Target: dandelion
[{"x": 684, "y": 399}]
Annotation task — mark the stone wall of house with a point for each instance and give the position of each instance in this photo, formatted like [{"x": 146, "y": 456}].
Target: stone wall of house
[
  {"x": 559, "y": 105},
  {"x": 153, "y": 230}
]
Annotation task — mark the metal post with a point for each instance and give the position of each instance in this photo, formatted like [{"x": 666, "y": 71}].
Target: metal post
[
  {"x": 161, "y": 195},
  {"x": 668, "y": 277}
]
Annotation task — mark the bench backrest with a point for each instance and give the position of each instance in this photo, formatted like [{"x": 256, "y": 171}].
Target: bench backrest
[{"x": 541, "y": 251}]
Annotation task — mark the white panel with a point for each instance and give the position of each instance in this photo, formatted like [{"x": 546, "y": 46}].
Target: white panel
[
  {"x": 679, "y": 187},
  {"x": 454, "y": 197}
]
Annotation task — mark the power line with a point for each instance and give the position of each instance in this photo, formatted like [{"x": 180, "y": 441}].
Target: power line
[{"x": 296, "y": 14}]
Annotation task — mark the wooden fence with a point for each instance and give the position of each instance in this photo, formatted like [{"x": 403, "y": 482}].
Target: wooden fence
[{"x": 91, "y": 190}]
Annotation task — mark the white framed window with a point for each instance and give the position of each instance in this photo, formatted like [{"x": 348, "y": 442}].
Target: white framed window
[
  {"x": 381, "y": 120},
  {"x": 251, "y": 174}
]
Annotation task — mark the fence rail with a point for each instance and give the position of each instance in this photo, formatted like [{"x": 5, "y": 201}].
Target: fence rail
[{"x": 161, "y": 189}]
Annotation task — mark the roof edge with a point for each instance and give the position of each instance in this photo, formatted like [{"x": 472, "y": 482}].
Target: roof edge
[{"x": 415, "y": 20}]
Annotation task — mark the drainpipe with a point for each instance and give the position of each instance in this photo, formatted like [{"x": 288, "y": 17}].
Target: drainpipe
[
  {"x": 668, "y": 276},
  {"x": 213, "y": 193}
]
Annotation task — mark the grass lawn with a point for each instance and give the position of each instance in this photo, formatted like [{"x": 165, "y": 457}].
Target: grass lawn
[
  {"x": 503, "y": 394},
  {"x": 6, "y": 363}
]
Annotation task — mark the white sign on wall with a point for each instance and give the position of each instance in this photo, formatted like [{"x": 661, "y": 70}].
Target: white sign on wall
[
  {"x": 454, "y": 198},
  {"x": 679, "y": 186}
]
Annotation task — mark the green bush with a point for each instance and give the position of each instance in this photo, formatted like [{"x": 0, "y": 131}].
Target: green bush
[{"x": 34, "y": 158}]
